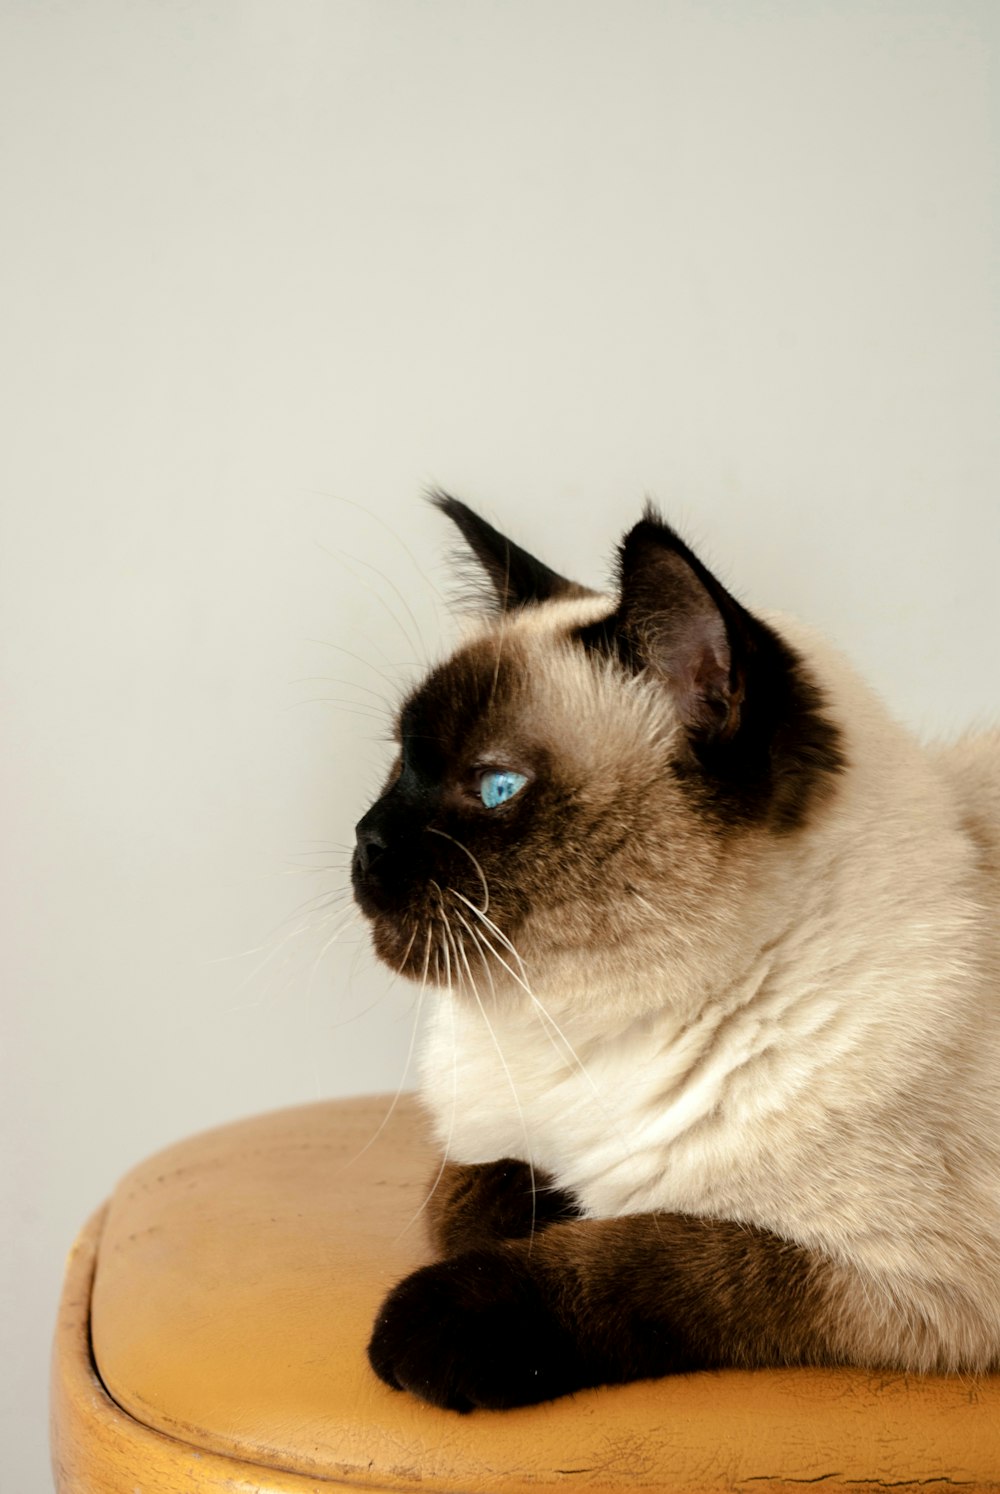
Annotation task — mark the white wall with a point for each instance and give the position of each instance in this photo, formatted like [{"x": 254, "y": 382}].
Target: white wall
[{"x": 270, "y": 266}]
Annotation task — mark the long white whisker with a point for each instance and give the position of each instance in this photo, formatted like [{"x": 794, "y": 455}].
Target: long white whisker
[
  {"x": 484, "y": 945},
  {"x": 351, "y": 707},
  {"x": 325, "y": 643},
  {"x": 257, "y": 949},
  {"x": 418, "y": 646},
  {"x": 309, "y": 922},
  {"x": 493, "y": 930},
  {"x": 444, "y": 946},
  {"x": 409, "y": 1055},
  {"x": 568, "y": 1049},
  {"x": 498, "y": 956},
  {"x": 510, "y": 1080},
  {"x": 545, "y": 1016},
  {"x": 323, "y": 899},
  {"x": 307, "y": 908},
  {"x": 343, "y": 926},
  {"x": 388, "y": 579},
  {"x": 397, "y": 538},
  {"x": 480, "y": 950},
  {"x": 444, "y": 942},
  {"x": 482, "y": 875},
  {"x": 446, "y": 1150},
  {"x": 333, "y": 679}
]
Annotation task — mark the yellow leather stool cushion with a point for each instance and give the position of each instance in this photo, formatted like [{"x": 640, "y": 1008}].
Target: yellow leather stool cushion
[{"x": 213, "y": 1328}]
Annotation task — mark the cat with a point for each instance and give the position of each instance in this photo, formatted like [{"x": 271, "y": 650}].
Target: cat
[{"x": 714, "y": 1056}]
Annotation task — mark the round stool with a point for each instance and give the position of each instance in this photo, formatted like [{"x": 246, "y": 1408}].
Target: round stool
[{"x": 212, "y": 1337}]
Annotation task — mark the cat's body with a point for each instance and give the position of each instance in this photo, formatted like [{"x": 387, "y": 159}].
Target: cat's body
[{"x": 756, "y": 983}]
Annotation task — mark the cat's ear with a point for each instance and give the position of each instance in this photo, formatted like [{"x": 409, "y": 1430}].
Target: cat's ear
[
  {"x": 761, "y": 745},
  {"x": 675, "y": 619},
  {"x": 515, "y": 578}
]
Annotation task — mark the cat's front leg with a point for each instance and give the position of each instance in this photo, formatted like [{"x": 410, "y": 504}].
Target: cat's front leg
[
  {"x": 601, "y": 1301},
  {"x": 475, "y": 1205}
]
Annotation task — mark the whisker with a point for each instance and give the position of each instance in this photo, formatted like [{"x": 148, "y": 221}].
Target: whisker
[
  {"x": 446, "y": 1149},
  {"x": 345, "y": 924},
  {"x": 444, "y": 943},
  {"x": 352, "y": 707},
  {"x": 388, "y": 579},
  {"x": 295, "y": 913},
  {"x": 308, "y": 923},
  {"x": 398, "y": 539},
  {"x": 343, "y": 561},
  {"x": 333, "y": 679},
  {"x": 492, "y": 927},
  {"x": 432, "y": 830},
  {"x": 323, "y": 899},
  {"x": 545, "y": 1016},
  {"x": 482, "y": 948},
  {"x": 513, "y": 1089},
  {"x": 495, "y": 952},
  {"x": 325, "y": 643},
  {"x": 448, "y": 978},
  {"x": 409, "y": 1055},
  {"x": 276, "y": 950},
  {"x": 478, "y": 948}
]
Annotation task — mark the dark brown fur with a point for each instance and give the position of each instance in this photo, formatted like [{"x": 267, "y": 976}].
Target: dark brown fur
[{"x": 529, "y": 1303}]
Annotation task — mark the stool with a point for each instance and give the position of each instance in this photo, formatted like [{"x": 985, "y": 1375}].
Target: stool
[{"x": 212, "y": 1337}]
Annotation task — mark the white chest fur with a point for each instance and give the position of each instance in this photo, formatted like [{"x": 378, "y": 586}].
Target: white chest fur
[{"x": 658, "y": 1115}]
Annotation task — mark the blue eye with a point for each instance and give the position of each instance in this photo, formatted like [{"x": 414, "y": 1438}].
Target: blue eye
[{"x": 500, "y": 784}]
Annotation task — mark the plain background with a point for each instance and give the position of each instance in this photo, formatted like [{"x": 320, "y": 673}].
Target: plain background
[{"x": 271, "y": 268}]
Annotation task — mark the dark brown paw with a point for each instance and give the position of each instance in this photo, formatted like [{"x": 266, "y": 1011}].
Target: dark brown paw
[
  {"x": 493, "y": 1201},
  {"x": 474, "y": 1331}
]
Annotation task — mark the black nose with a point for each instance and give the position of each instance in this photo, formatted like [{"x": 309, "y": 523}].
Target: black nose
[{"x": 369, "y": 848}]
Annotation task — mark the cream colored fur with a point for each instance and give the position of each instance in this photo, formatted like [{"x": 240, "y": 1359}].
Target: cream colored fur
[{"x": 800, "y": 1031}]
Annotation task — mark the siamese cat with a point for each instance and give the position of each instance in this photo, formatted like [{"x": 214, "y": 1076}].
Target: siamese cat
[{"x": 714, "y": 1057}]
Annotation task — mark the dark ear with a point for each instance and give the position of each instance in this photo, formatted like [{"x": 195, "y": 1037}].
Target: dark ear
[
  {"x": 676, "y": 619},
  {"x": 760, "y": 746},
  {"x": 516, "y": 578}
]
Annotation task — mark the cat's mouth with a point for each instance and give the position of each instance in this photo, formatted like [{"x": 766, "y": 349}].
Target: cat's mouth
[
  {"x": 427, "y": 949},
  {"x": 447, "y": 948},
  {"x": 432, "y": 931},
  {"x": 429, "y": 953},
  {"x": 404, "y": 942}
]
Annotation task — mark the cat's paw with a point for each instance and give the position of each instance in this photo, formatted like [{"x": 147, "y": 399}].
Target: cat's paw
[
  {"x": 486, "y": 1202},
  {"x": 521, "y": 1200},
  {"x": 474, "y": 1331}
]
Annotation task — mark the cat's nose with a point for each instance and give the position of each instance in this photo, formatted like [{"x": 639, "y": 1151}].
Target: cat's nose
[{"x": 369, "y": 848}]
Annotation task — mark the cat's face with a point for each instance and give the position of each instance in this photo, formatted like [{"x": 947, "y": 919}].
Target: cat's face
[
  {"x": 571, "y": 782},
  {"x": 530, "y": 780}
]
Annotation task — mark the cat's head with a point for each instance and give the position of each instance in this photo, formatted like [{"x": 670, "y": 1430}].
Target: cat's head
[{"x": 571, "y": 783}]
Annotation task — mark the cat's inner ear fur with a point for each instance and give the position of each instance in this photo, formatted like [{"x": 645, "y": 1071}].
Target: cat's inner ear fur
[{"x": 513, "y": 577}]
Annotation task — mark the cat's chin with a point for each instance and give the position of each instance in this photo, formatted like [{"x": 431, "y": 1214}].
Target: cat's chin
[{"x": 402, "y": 949}]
